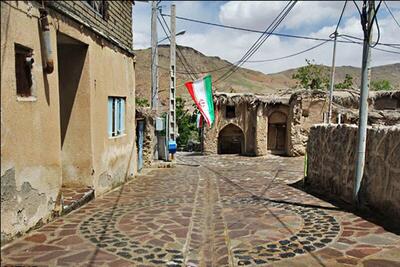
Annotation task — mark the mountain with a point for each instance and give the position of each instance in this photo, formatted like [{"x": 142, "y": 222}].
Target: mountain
[{"x": 243, "y": 80}]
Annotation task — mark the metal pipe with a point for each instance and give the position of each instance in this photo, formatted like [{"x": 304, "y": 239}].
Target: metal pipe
[{"x": 44, "y": 23}]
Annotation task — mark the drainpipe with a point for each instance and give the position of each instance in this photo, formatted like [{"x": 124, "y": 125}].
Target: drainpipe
[{"x": 44, "y": 23}]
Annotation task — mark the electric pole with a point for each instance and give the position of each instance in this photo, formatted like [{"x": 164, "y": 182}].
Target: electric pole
[
  {"x": 172, "y": 92},
  {"x": 366, "y": 21},
  {"x": 332, "y": 79},
  {"x": 154, "y": 57}
]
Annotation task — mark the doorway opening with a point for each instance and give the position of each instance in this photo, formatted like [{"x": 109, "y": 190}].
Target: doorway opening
[
  {"x": 230, "y": 140},
  {"x": 74, "y": 99},
  {"x": 277, "y": 133}
]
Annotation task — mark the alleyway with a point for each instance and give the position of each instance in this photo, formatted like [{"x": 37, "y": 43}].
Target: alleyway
[{"x": 209, "y": 211}]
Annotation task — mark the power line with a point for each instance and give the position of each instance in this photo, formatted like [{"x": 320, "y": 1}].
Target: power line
[
  {"x": 181, "y": 56},
  {"x": 375, "y": 17},
  {"x": 258, "y": 31},
  {"x": 265, "y": 35},
  {"x": 261, "y": 39},
  {"x": 387, "y": 7},
  {"x": 253, "y": 48},
  {"x": 395, "y": 46},
  {"x": 341, "y": 16},
  {"x": 288, "y": 56},
  {"x": 346, "y": 37},
  {"x": 250, "y": 61}
]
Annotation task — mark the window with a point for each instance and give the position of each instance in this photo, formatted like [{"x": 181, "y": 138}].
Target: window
[
  {"x": 230, "y": 112},
  {"x": 23, "y": 70},
  {"x": 100, "y": 6},
  {"x": 116, "y": 116}
]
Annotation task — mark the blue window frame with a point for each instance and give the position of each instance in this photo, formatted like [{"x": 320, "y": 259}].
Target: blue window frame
[{"x": 116, "y": 116}]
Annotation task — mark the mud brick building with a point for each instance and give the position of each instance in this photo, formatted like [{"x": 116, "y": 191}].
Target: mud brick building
[
  {"x": 256, "y": 125},
  {"x": 67, "y": 104}
]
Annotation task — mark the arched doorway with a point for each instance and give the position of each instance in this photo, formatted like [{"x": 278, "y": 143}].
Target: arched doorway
[
  {"x": 277, "y": 132},
  {"x": 230, "y": 140}
]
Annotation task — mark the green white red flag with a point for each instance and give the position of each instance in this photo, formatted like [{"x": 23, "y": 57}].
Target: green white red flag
[
  {"x": 199, "y": 120},
  {"x": 201, "y": 92}
]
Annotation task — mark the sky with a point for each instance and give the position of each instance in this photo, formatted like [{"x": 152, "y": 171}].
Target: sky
[{"x": 307, "y": 18}]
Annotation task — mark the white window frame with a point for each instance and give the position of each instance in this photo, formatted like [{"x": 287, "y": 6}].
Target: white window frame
[{"x": 116, "y": 116}]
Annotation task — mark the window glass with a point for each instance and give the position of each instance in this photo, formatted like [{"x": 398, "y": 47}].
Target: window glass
[
  {"x": 116, "y": 116},
  {"x": 100, "y": 6}
]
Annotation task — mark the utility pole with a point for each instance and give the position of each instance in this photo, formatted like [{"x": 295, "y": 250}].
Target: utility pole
[
  {"x": 332, "y": 79},
  {"x": 366, "y": 22},
  {"x": 172, "y": 91},
  {"x": 154, "y": 57}
]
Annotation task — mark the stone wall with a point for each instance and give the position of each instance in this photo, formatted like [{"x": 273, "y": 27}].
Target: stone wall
[
  {"x": 331, "y": 165},
  {"x": 149, "y": 142},
  {"x": 305, "y": 111}
]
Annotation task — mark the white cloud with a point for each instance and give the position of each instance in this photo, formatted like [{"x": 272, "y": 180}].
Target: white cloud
[
  {"x": 316, "y": 19},
  {"x": 259, "y": 14}
]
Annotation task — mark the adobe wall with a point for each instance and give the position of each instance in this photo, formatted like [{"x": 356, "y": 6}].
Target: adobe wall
[
  {"x": 245, "y": 119},
  {"x": 305, "y": 111},
  {"x": 331, "y": 152},
  {"x": 31, "y": 158}
]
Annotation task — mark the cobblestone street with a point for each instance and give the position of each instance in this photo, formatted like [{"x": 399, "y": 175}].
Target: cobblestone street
[{"x": 209, "y": 211}]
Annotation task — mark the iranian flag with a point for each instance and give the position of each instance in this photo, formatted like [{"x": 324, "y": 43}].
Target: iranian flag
[
  {"x": 201, "y": 92},
  {"x": 199, "y": 120}
]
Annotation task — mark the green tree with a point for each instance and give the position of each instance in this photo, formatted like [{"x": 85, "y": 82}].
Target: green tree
[
  {"x": 311, "y": 76},
  {"x": 346, "y": 84},
  {"x": 381, "y": 85},
  {"x": 186, "y": 122},
  {"x": 142, "y": 102}
]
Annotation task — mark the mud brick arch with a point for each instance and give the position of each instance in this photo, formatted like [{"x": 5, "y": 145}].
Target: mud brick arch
[{"x": 231, "y": 140}]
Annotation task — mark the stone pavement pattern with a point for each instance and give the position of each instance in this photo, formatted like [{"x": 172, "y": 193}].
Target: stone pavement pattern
[{"x": 209, "y": 211}]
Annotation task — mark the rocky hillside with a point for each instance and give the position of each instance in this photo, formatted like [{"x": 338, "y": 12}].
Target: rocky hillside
[{"x": 243, "y": 80}]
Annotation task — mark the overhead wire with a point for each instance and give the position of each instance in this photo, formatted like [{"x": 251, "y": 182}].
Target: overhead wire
[
  {"x": 266, "y": 34},
  {"x": 340, "y": 18},
  {"x": 181, "y": 56},
  {"x": 253, "y": 47},
  {"x": 191, "y": 71},
  {"x": 375, "y": 18},
  {"x": 251, "y": 61},
  {"x": 390, "y": 12},
  {"x": 259, "y": 31},
  {"x": 346, "y": 37}
]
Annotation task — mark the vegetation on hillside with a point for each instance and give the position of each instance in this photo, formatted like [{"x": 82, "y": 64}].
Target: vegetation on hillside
[
  {"x": 311, "y": 76},
  {"x": 314, "y": 77},
  {"x": 381, "y": 85},
  {"x": 186, "y": 124},
  {"x": 346, "y": 84}
]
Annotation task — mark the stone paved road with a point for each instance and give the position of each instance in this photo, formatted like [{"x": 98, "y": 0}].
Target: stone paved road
[{"x": 209, "y": 211}]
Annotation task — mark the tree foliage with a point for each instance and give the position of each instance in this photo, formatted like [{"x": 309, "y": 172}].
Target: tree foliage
[
  {"x": 381, "y": 85},
  {"x": 142, "y": 102},
  {"x": 311, "y": 76},
  {"x": 346, "y": 84},
  {"x": 186, "y": 123}
]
